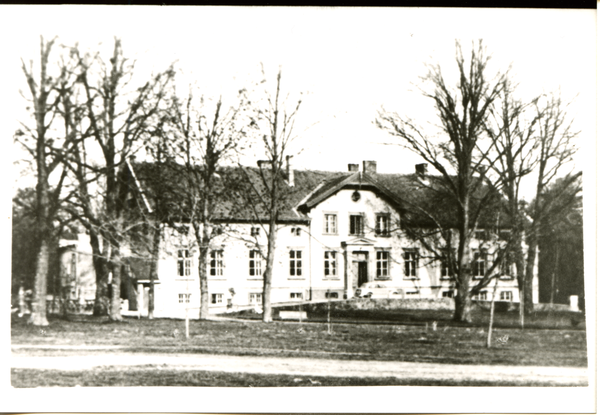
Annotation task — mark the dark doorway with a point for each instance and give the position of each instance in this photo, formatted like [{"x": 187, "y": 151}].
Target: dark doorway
[{"x": 363, "y": 276}]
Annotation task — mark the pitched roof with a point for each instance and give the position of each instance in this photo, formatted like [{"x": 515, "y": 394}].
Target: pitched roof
[{"x": 240, "y": 192}]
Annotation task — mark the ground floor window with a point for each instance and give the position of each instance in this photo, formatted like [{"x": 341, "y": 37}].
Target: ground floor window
[
  {"x": 255, "y": 298},
  {"x": 412, "y": 293},
  {"x": 330, "y": 269},
  {"x": 481, "y": 296},
  {"x": 216, "y": 298},
  {"x": 506, "y": 295},
  {"x": 331, "y": 295},
  {"x": 296, "y": 296},
  {"x": 383, "y": 258},
  {"x": 448, "y": 294},
  {"x": 184, "y": 298}
]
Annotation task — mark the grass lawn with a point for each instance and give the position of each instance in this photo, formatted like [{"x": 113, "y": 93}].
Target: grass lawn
[
  {"x": 156, "y": 376},
  {"x": 412, "y": 343}
]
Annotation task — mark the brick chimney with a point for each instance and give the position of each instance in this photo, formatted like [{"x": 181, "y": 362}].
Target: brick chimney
[
  {"x": 421, "y": 169},
  {"x": 352, "y": 167},
  {"x": 289, "y": 171},
  {"x": 370, "y": 167}
]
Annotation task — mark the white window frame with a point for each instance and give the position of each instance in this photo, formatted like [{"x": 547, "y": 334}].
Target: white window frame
[
  {"x": 479, "y": 263},
  {"x": 184, "y": 298},
  {"x": 255, "y": 263},
  {"x": 330, "y": 264},
  {"x": 184, "y": 262},
  {"x": 506, "y": 296},
  {"x": 255, "y": 298},
  {"x": 410, "y": 256},
  {"x": 481, "y": 296},
  {"x": 330, "y": 223},
  {"x": 216, "y": 298},
  {"x": 216, "y": 263},
  {"x": 295, "y": 261},
  {"x": 382, "y": 260},
  {"x": 357, "y": 232},
  {"x": 382, "y": 224},
  {"x": 296, "y": 295}
]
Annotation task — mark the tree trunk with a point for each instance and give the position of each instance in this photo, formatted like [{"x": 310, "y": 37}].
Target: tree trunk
[
  {"x": 462, "y": 305},
  {"x": 154, "y": 269},
  {"x": 38, "y": 312},
  {"x": 116, "y": 266},
  {"x": 101, "y": 300},
  {"x": 202, "y": 274},
  {"x": 268, "y": 275},
  {"x": 529, "y": 274}
]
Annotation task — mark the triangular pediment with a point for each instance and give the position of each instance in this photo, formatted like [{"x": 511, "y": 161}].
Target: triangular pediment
[{"x": 359, "y": 241}]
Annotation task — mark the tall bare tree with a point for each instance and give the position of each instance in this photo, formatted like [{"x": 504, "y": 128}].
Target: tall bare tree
[
  {"x": 266, "y": 196},
  {"x": 48, "y": 145},
  {"x": 117, "y": 120},
  {"x": 207, "y": 135},
  {"x": 463, "y": 112}
]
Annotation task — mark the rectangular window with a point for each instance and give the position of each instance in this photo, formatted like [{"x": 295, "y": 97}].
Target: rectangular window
[
  {"x": 411, "y": 262},
  {"x": 255, "y": 263},
  {"x": 184, "y": 263},
  {"x": 255, "y": 298},
  {"x": 356, "y": 225},
  {"x": 254, "y": 231},
  {"x": 448, "y": 294},
  {"x": 479, "y": 264},
  {"x": 73, "y": 272},
  {"x": 330, "y": 264},
  {"x": 216, "y": 263},
  {"x": 446, "y": 268},
  {"x": 506, "y": 268},
  {"x": 295, "y": 263},
  {"x": 296, "y": 231},
  {"x": 506, "y": 295},
  {"x": 216, "y": 298},
  {"x": 184, "y": 298},
  {"x": 382, "y": 225},
  {"x": 481, "y": 296},
  {"x": 330, "y": 223},
  {"x": 331, "y": 295},
  {"x": 383, "y": 258},
  {"x": 412, "y": 293},
  {"x": 296, "y": 296}
]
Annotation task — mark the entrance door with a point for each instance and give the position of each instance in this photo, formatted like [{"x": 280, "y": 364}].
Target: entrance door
[{"x": 362, "y": 273}]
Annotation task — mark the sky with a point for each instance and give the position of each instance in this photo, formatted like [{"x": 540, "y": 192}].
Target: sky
[{"x": 348, "y": 63}]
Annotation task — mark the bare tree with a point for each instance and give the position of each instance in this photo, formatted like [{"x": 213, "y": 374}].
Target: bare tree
[
  {"x": 463, "y": 113},
  {"x": 207, "y": 136},
  {"x": 117, "y": 121},
  {"x": 48, "y": 145},
  {"x": 266, "y": 193}
]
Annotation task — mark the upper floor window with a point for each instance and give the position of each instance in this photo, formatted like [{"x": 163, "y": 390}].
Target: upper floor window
[
  {"x": 184, "y": 298},
  {"x": 330, "y": 269},
  {"x": 216, "y": 263},
  {"x": 479, "y": 263},
  {"x": 356, "y": 225},
  {"x": 254, "y": 231},
  {"x": 330, "y": 223},
  {"x": 411, "y": 263},
  {"x": 383, "y": 261},
  {"x": 255, "y": 263},
  {"x": 296, "y": 231},
  {"x": 184, "y": 263},
  {"x": 446, "y": 267},
  {"x": 382, "y": 225},
  {"x": 506, "y": 268},
  {"x": 295, "y": 263}
]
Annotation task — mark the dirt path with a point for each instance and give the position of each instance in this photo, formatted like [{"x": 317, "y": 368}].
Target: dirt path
[{"x": 309, "y": 367}]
